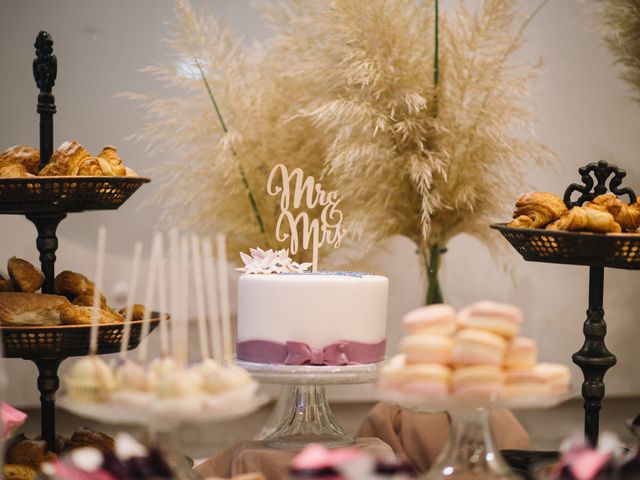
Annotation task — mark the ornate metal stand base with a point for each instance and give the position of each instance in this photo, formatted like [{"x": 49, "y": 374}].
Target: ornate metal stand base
[{"x": 593, "y": 358}]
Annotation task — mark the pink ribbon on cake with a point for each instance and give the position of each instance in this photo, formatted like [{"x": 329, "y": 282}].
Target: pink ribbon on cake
[{"x": 342, "y": 352}]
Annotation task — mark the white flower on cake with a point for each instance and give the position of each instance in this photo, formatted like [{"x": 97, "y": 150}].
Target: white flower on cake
[{"x": 268, "y": 261}]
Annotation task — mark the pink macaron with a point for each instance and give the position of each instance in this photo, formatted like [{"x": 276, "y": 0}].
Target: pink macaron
[
  {"x": 431, "y": 379},
  {"x": 499, "y": 318},
  {"x": 436, "y": 319},
  {"x": 427, "y": 348},
  {"x": 521, "y": 352},
  {"x": 523, "y": 382},
  {"x": 478, "y": 380},
  {"x": 478, "y": 347}
]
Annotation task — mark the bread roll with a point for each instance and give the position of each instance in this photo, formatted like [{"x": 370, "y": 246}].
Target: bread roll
[
  {"x": 15, "y": 170},
  {"x": 31, "y": 309},
  {"x": 28, "y": 157},
  {"x": 77, "y": 315},
  {"x": 138, "y": 312},
  {"x": 24, "y": 275},
  {"x": 5, "y": 285},
  {"x": 18, "y": 472},
  {"x": 72, "y": 285}
]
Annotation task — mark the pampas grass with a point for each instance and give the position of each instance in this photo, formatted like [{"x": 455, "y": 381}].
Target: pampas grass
[
  {"x": 621, "y": 24},
  {"x": 346, "y": 90}
]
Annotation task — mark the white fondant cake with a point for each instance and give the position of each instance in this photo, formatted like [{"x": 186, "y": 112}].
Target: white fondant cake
[{"x": 299, "y": 318}]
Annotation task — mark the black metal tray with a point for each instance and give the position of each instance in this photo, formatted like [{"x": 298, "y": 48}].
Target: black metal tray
[
  {"x": 65, "y": 194},
  {"x": 619, "y": 250}
]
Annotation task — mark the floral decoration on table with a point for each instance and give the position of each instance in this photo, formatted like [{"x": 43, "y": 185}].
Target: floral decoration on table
[{"x": 420, "y": 118}]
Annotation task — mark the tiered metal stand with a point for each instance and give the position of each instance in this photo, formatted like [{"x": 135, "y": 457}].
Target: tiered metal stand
[
  {"x": 596, "y": 251},
  {"x": 46, "y": 201}
]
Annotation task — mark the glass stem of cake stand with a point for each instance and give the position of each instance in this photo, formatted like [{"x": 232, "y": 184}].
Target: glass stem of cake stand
[
  {"x": 308, "y": 420},
  {"x": 470, "y": 451},
  {"x": 593, "y": 358}
]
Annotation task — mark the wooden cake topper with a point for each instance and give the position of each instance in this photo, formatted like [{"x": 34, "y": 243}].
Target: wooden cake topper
[{"x": 298, "y": 192}]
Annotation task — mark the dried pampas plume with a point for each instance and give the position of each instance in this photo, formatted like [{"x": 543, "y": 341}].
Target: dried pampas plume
[
  {"x": 424, "y": 135},
  {"x": 621, "y": 24}
]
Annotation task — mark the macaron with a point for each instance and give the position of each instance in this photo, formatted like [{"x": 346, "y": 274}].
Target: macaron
[
  {"x": 521, "y": 352},
  {"x": 390, "y": 373},
  {"x": 557, "y": 375},
  {"x": 478, "y": 347},
  {"x": 427, "y": 348},
  {"x": 436, "y": 319},
  {"x": 499, "y": 318},
  {"x": 522, "y": 382},
  {"x": 431, "y": 379},
  {"x": 481, "y": 380}
]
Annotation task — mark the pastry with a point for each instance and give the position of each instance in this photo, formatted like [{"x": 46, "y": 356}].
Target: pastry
[
  {"x": 537, "y": 209},
  {"x": 215, "y": 378},
  {"x": 427, "y": 348},
  {"x": 72, "y": 285},
  {"x": 18, "y": 472},
  {"x": 78, "y": 315},
  {"x": 5, "y": 285},
  {"x": 28, "y": 157},
  {"x": 484, "y": 380},
  {"x": 130, "y": 172},
  {"x": 24, "y": 275},
  {"x": 85, "y": 437},
  {"x": 498, "y": 318},
  {"x": 32, "y": 309},
  {"x": 521, "y": 353},
  {"x": 14, "y": 170},
  {"x": 475, "y": 347},
  {"x": 87, "y": 301},
  {"x": 111, "y": 163},
  {"x": 586, "y": 219},
  {"x": 138, "y": 312},
  {"x": 314, "y": 318},
  {"x": 426, "y": 379},
  {"x": 525, "y": 382},
  {"x": 434, "y": 319},
  {"x": 627, "y": 216},
  {"x": 90, "y": 379},
  {"x": 556, "y": 374},
  {"x": 30, "y": 453},
  {"x": 70, "y": 159}
]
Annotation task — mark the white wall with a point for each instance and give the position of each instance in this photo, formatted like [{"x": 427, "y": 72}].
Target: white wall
[{"x": 584, "y": 114}]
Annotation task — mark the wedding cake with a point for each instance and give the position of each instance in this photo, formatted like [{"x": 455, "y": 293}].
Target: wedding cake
[{"x": 289, "y": 316}]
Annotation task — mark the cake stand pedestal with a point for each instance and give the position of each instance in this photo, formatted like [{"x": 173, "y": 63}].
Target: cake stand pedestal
[
  {"x": 470, "y": 452},
  {"x": 308, "y": 417},
  {"x": 597, "y": 251}
]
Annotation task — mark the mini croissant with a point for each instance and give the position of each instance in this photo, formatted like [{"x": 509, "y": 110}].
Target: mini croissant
[
  {"x": 537, "y": 209},
  {"x": 111, "y": 162},
  {"x": 627, "y": 216},
  {"x": 586, "y": 219},
  {"x": 28, "y": 157}
]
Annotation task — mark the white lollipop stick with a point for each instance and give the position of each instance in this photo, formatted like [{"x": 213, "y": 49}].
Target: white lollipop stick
[
  {"x": 102, "y": 241},
  {"x": 148, "y": 298},
  {"x": 182, "y": 356},
  {"x": 174, "y": 273},
  {"x": 196, "y": 259},
  {"x": 162, "y": 302},
  {"x": 225, "y": 309},
  {"x": 133, "y": 283},
  {"x": 212, "y": 299}
]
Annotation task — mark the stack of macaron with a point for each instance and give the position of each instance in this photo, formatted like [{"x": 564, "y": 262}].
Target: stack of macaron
[{"x": 476, "y": 351}]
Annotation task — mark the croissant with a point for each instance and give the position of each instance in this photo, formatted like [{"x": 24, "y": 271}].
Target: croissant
[
  {"x": 586, "y": 219},
  {"x": 14, "y": 170},
  {"x": 28, "y": 157},
  {"x": 5, "y": 285},
  {"x": 628, "y": 216},
  {"x": 72, "y": 284},
  {"x": 111, "y": 162},
  {"x": 71, "y": 159},
  {"x": 541, "y": 208}
]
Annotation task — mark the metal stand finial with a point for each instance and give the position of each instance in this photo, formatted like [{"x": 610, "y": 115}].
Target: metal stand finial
[
  {"x": 45, "y": 70},
  {"x": 590, "y": 189}
]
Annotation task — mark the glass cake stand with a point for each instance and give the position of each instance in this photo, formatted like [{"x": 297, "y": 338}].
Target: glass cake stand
[
  {"x": 308, "y": 417},
  {"x": 471, "y": 451}
]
